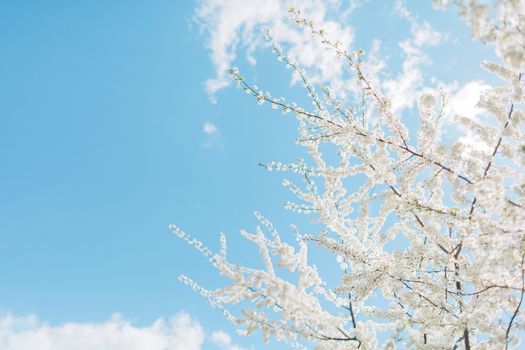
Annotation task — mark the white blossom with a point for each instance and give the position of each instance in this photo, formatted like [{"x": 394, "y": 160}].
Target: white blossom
[{"x": 457, "y": 279}]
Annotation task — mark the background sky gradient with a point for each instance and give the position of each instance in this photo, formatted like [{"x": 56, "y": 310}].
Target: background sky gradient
[{"x": 109, "y": 134}]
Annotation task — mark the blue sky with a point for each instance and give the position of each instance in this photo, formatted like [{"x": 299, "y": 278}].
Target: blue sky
[{"x": 103, "y": 106}]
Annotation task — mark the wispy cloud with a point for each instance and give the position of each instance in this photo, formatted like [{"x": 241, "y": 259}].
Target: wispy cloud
[
  {"x": 209, "y": 128},
  {"x": 404, "y": 90},
  {"x": 463, "y": 103},
  {"x": 213, "y": 137},
  {"x": 235, "y": 26},
  {"x": 181, "y": 332},
  {"x": 224, "y": 341},
  {"x": 464, "y": 99}
]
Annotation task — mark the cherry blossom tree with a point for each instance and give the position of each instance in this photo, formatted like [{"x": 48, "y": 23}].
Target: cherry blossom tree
[{"x": 458, "y": 281}]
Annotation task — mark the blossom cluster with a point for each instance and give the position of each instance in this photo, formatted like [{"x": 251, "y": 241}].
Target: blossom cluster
[{"x": 458, "y": 281}]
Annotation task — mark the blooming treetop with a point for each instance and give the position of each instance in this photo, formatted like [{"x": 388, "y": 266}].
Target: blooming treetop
[{"x": 459, "y": 281}]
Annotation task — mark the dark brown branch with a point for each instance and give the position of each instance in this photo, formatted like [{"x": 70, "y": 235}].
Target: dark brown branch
[
  {"x": 351, "y": 309},
  {"x": 467, "y": 339},
  {"x": 317, "y": 335},
  {"x": 285, "y": 106},
  {"x": 496, "y": 148},
  {"x": 428, "y": 300},
  {"x": 511, "y": 202},
  {"x": 507, "y": 333},
  {"x": 407, "y": 149}
]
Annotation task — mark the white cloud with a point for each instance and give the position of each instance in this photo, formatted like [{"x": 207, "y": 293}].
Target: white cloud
[
  {"x": 209, "y": 128},
  {"x": 213, "y": 137},
  {"x": 224, "y": 341},
  {"x": 234, "y": 25},
  {"x": 423, "y": 33},
  {"x": 181, "y": 332},
  {"x": 404, "y": 90},
  {"x": 406, "y": 87},
  {"x": 463, "y": 100},
  {"x": 355, "y": 4}
]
